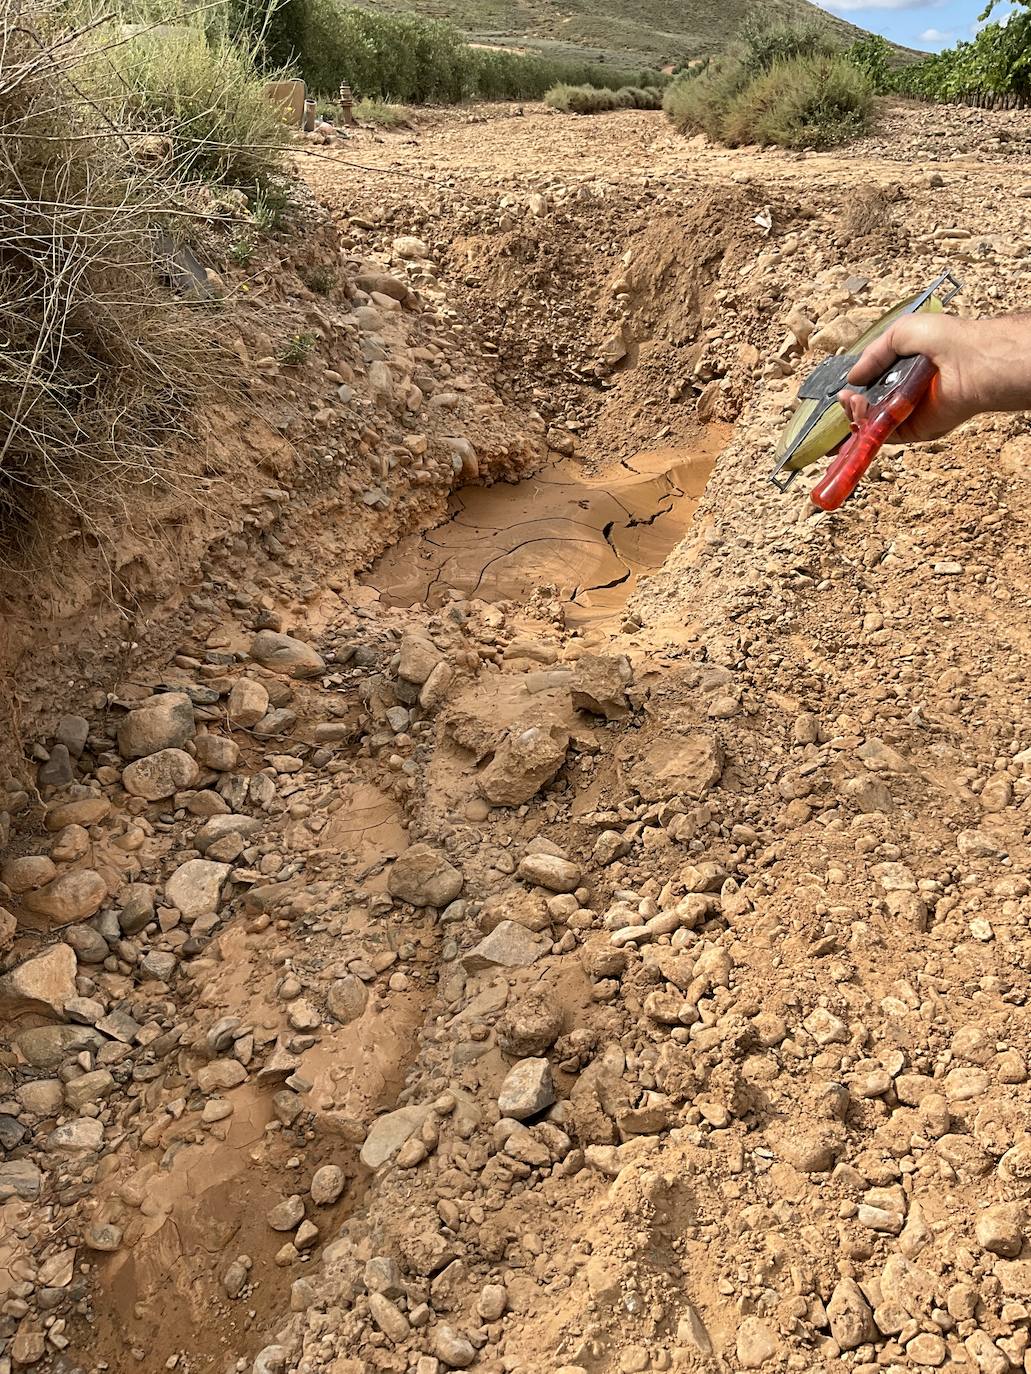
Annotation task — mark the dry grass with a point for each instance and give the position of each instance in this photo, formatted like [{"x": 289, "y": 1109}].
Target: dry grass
[{"x": 98, "y": 367}]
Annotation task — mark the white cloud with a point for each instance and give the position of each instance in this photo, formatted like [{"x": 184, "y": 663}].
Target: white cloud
[{"x": 937, "y": 36}]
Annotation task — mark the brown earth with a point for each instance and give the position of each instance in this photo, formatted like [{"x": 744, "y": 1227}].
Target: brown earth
[{"x": 707, "y": 811}]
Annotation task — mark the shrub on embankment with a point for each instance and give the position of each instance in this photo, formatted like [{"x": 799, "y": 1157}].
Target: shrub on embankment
[
  {"x": 593, "y": 100},
  {"x": 777, "y": 88},
  {"x": 109, "y": 147}
]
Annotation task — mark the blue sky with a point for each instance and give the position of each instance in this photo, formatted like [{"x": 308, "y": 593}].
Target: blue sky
[{"x": 929, "y": 24}]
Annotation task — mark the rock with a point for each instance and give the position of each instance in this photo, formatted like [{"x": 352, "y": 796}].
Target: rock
[
  {"x": 410, "y": 248},
  {"x": 20, "y": 1178},
  {"x": 8, "y": 929},
  {"x": 160, "y": 775},
  {"x": 423, "y": 877},
  {"x": 393, "y": 1323},
  {"x": 383, "y": 1275},
  {"x": 523, "y": 764},
  {"x": 25, "y": 875},
  {"x": 756, "y": 1343},
  {"x": 81, "y": 1136},
  {"x": 926, "y": 1349},
  {"x": 389, "y": 1132},
  {"x": 196, "y": 886},
  {"x": 73, "y": 732},
  {"x": 550, "y": 871},
  {"x": 58, "y": 770},
  {"x": 43, "y": 983},
  {"x": 89, "y": 945},
  {"x": 419, "y": 657},
  {"x": 47, "y": 1047},
  {"x": 84, "y": 811},
  {"x": 492, "y": 1302},
  {"x": 527, "y": 1089},
  {"x": 217, "y": 752},
  {"x": 509, "y": 945},
  {"x": 73, "y": 896},
  {"x": 986, "y": 1354},
  {"x": 1000, "y": 1229},
  {"x": 850, "y": 1317},
  {"x": 286, "y": 1215},
  {"x": 88, "y": 1087},
  {"x": 164, "y": 722},
  {"x": 28, "y": 1346},
  {"x": 688, "y": 764},
  {"x": 327, "y": 1184},
  {"x": 286, "y": 655},
  {"x": 160, "y": 965},
  {"x": 347, "y": 999},
  {"x": 102, "y": 1236},
  {"x": 530, "y": 1026},
  {"x": 248, "y": 702},
  {"x": 41, "y": 1096},
  {"x": 71, "y": 842},
  {"x": 220, "y": 1075},
  {"x": 137, "y": 908},
  {"x": 452, "y": 1349},
  {"x": 218, "y": 827},
  {"x": 234, "y": 1280},
  {"x": 599, "y": 684},
  {"x": 435, "y": 689}
]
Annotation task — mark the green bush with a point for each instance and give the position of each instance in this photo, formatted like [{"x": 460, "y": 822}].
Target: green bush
[
  {"x": 806, "y": 102},
  {"x": 762, "y": 45},
  {"x": 204, "y": 95},
  {"x": 594, "y": 100},
  {"x": 871, "y": 54},
  {"x": 699, "y": 104}
]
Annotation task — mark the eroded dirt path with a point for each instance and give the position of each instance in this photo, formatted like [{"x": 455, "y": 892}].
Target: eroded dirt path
[{"x": 576, "y": 925}]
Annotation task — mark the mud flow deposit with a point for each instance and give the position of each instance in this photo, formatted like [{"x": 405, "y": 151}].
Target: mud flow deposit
[{"x": 491, "y": 884}]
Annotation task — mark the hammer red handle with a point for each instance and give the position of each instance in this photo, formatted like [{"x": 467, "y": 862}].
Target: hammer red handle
[{"x": 858, "y": 451}]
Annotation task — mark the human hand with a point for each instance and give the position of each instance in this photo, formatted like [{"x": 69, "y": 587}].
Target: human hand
[{"x": 961, "y": 388}]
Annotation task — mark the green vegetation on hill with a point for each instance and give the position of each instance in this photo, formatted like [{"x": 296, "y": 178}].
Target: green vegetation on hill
[
  {"x": 646, "y": 32},
  {"x": 995, "y": 67}
]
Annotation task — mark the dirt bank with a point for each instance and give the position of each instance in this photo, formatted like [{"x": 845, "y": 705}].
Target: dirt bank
[{"x": 595, "y": 938}]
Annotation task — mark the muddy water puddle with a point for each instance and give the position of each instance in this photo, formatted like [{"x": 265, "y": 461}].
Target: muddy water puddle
[{"x": 590, "y": 536}]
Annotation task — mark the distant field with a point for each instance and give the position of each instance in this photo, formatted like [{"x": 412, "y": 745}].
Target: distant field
[{"x": 652, "y": 32}]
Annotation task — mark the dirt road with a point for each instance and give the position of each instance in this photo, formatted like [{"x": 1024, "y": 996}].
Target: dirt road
[{"x": 590, "y": 934}]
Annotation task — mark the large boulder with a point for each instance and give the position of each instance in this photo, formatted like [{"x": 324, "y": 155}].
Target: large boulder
[
  {"x": 599, "y": 684},
  {"x": 164, "y": 722},
  {"x": 688, "y": 764},
  {"x": 286, "y": 654}
]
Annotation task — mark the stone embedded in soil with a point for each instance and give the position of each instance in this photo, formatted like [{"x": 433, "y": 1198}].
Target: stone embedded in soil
[
  {"x": 102, "y": 1236},
  {"x": 48, "y": 1047},
  {"x": 599, "y": 683},
  {"x": 453, "y": 1349},
  {"x": 136, "y": 908},
  {"x": 58, "y": 770},
  {"x": 531, "y": 1025},
  {"x": 688, "y": 764},
  {"x": 160, "y": 775},
  {"x": 220, "y": 1075},
  {"x": 419, "y": 657},
  {"x": 73, "y": 896},
  {"x": 248, "y": 702},
  {"x": 423, "y": 877},
  {"x": 218, "y": 827},
  {"x": 507, "y": 946},
  {"x": 216, "y": 752},
  {"x": 20, "y": 1178},
  {"x": 327, "y": 1184},
  {"x": 347, "y": 999},
  {"x": 286, "y": 1215},
  {"x": 850, "y": 1317},
  {"x": 527, "y": 1089},
  {"x": 44, "y": 983},
  {"x": 523, "y": 764},
  {"x": 85, "y": 1135},
  {"x": 287, "y": 655},
  {"x": 550, "y": 871},
  {"x": 73, "y": 732},
  {"x": 393, "y": 1323},
  {"x": 1000, "y": 1229},
  {"x": 164, "y": 722},
  {"x": 196, "y": 886},
  {"x": 388, "y": 1133},
  {"x": 84, "y": 811},
  {"x": 757, "y": 1343}
]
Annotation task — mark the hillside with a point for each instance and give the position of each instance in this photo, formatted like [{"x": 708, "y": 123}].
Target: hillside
[{"x": 653, "y": 32}]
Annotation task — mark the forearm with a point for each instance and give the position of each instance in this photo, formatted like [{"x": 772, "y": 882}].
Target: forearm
[{"x": 996, "y": 365}]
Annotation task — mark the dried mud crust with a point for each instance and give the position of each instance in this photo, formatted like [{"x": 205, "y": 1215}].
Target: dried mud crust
[{"x": 657, "y": 988}]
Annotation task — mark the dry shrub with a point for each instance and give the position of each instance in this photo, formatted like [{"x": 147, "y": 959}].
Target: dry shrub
[
  {"x": 802, "y": 102},
  {"x": 98, "y": 366},
  {"x": 596, "y": 100}
]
